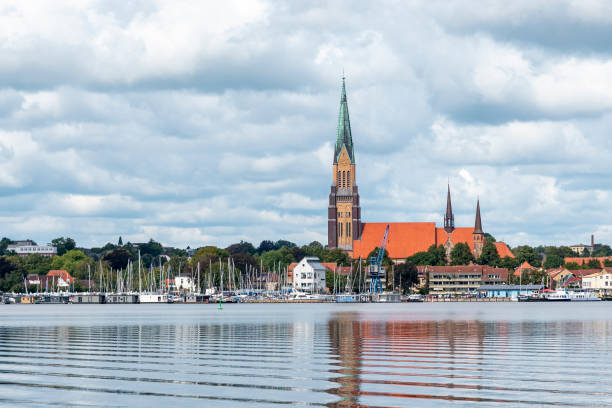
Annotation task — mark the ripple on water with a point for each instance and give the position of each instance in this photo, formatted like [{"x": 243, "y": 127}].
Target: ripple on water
[{"x": 321, "y": 355}]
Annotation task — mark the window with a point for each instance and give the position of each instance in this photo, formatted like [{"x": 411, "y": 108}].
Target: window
[
  {"x": 338, "y": 181},
  {"x": 348, "y": 229},
  {"x": 340, "y": 229},
  {"x": 348, "y": 179},
  {"x": 344, "y": 179}
]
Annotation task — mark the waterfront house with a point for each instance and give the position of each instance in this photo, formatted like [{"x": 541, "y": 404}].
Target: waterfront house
[
  {"x": 309, "y": 276},
  {"x": 600, "y": 281},
  {"x": 507, "y": 291}
]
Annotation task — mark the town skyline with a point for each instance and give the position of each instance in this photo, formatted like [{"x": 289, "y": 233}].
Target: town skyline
[{"x": 122, "y": 131}]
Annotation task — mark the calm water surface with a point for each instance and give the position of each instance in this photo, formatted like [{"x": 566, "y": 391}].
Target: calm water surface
[{"x": 476, "y": 354}]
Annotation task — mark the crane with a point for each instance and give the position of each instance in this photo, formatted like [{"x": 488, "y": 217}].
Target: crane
[{"x": 376, "y": 268}]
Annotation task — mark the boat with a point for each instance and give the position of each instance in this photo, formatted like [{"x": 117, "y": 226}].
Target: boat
[
  {"x": 153, "y": 298},
  {"x": 583, "y": 296},
  {"x": 558, "y": 295},
  {"x": 416, "y": 297}
]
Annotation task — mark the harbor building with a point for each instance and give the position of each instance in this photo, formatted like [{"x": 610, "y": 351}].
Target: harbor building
[
  {"x": 309, "y": 276},
  {"x": 347, "y": 231},
  {"x": 460, "y": 279},
  {"x": 508, "y": 291}
]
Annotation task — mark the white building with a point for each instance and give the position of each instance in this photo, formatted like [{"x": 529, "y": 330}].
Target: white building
[
  {"x": 184, "y": 283},
  {"x": 598, "y": 282},
  {"x": 25, "y": 248},
  {"x": 309, "y": 276}
]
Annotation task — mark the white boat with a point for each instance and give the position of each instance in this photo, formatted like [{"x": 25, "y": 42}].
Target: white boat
[
  {"x": 580, "y": 296},
  {"x": 153, "y": 298},
  {"x": 416, "y": 297},
  {"x": 559, "y": 295}
]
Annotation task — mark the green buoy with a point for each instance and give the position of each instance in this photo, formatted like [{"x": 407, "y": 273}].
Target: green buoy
[{"x": 220, "y": 307}]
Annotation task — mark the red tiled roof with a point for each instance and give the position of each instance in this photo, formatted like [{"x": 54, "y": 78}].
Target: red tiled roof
[
  {"x": 522, "y": 267},
  {"x": 458, "y": 235},
  {"x": 503, "y": 250},
  {"x": 61, "y": 273},
  {"x": 405, "y": 238},
  {"x": 582, "y": 272},
  {"x": 581, "y": 261}
]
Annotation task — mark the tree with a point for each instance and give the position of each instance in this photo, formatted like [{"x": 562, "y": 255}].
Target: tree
[
  {"x": 461, "y": 254},
  {"x": 553, "y": 261},
  {"x": 118, "y": 258},
  {"x": 509, "y": 263},
  {"x": 526, "y": 253},
  {"x": 241, "y": 248},
  {"x": 405, "y": 276},
  {"x": 243, "y": 261},
  {"x": 607, "y": 263},
  {"x": 489, "y": 255},
  {"x": 422, "y": 258},
  {"x": 338, "y": 256},
  {"x": 280, "y": 257},
  {"x": 335, "y": 280},
  {"x": 572, "y": 266},
  {"x": 602, "y": 250},
  {"x": 593, "y": 264},
  {"x": 265, "y": 246},
  {"x": 298, "y": 253},
  {"x": 489, "y": 237},
  {"x": 152, "y": 248},
  {"x": 4, "y": 243},
  {"x": 63, "y": 245},
  {"x": 207, "y": 255},
  {"x": 282, "y": 243},
  {"x": 120, "y": 242}
]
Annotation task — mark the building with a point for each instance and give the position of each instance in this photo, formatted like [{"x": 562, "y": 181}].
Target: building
[
  {"x": 525, "y": 267},
  {"x": 184, "y": 283},
  {"x": 25, "y": 248},
  {"x": 580, "y": 249},
  {"x": 507, "y": 291},
  {"x": 461, "y": 279},
  {"x": 599, "y": 281},
  {"x": 347, "y": 232},
  {"x": 309, "y": 276}
]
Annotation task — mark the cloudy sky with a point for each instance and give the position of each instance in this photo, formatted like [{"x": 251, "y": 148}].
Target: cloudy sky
[{"x": 199, "y": 123}]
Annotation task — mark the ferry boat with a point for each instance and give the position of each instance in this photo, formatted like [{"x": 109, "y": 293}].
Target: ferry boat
[
  {"x": 583, "y": 296},
  {"x": 559, "y": 295}
]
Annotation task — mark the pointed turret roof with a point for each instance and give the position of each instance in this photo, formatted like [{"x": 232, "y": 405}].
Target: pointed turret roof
[
  {"x": 449, "y": 219},
  {"x": 478, "y": 223},
  {"x": 344, "y": 137}
]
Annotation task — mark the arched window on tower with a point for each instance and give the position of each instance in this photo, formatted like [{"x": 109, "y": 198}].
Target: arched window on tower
[
  {"x": 338, "y": 179},
  {"x": 344, "y": 179},
  {"x": 348, "y": 179},
  {"x": 348, "y": 229},
  {"x": 340, "y": 229}
]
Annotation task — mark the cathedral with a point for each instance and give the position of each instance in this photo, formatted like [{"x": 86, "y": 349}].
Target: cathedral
[{"x": 346, "y": 231}]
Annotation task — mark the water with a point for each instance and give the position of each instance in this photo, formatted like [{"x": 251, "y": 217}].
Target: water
[{"x": 442, "y": 354}]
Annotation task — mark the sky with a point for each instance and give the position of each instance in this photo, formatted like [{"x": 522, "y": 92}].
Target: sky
[{"x": 206, "y": 123}]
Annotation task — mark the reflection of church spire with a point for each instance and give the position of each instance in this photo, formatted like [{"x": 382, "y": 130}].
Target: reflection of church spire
[{"x": 449, "y": 219}]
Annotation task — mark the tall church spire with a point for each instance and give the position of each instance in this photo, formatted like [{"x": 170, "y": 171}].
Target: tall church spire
[
  {"x": 478, "y": 223},
  {"x": 449, "y": 219},
  {"x": 344, "y": 137}
]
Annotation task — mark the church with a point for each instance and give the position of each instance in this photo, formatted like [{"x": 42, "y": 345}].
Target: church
[{"x": 346, "y": 231}]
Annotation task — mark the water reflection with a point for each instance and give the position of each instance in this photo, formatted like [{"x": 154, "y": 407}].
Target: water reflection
[{"x": 282, "y": 356}]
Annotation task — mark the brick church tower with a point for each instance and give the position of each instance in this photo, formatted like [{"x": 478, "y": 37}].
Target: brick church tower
[
  {"x": 344, "y": 212},
  {"x": 479, "y": 239}
]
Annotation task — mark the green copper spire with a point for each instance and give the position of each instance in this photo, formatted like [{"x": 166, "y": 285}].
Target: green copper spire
[{"x": 344, "y": 128}]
